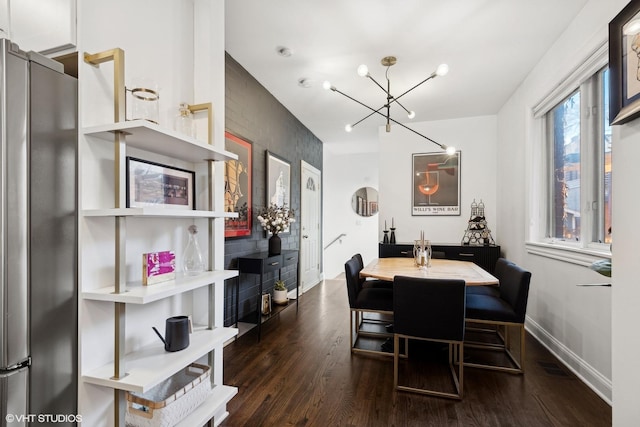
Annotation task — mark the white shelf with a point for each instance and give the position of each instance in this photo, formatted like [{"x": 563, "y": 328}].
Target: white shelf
[
  {"x": 137, "y": 293},
  {"x": 151, "y": 212},
  {"x": 151, "y": 365},
  {"x": 219, "y": 397},
  {"x": 151, "y": 137}
]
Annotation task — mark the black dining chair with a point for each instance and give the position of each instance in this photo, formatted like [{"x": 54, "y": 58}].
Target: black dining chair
[
  {"x": 492, "y": 290},
  {"x": 506, "y": 310},
  {"x": 366, "y": 300},
  {"x": 430, "y": 310},
  {"x": 367, "y": 282}
]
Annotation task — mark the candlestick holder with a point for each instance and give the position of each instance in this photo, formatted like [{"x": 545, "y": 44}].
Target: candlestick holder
[
  {"x": 422, "y": 254},
  {"x": 385, "y": 239},
  {"x": 393, "y": 236}
]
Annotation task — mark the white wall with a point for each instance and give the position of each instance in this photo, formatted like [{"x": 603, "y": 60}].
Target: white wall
[
  {"x": 389, "y": 170},
  {"x": 626, "y": 289},
  {"x": 342, "y": 176},
  {"x": 476, "y": 138},
  {"x": 574, "y": 322}
]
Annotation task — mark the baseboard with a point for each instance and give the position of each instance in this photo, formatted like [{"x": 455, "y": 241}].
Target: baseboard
[
  {"x": 308, "y": 287},
  {"x": 600, "y": 384}
]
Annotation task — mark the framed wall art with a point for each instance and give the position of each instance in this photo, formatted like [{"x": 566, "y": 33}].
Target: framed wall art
[
  {"x": 278, "y": 181},
  {"x": 238, "y": 186},
  {"x": 624, "y": 65},
  {"x": 154, "y": 184},
  {"x": 435, "y": 184}
]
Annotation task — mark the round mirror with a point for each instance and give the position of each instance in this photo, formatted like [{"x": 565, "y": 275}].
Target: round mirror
[{"x": 365, "y": 201}]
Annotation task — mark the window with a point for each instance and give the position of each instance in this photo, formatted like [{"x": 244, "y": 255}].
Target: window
[
  {"x": 604, "y": 225},
  {"x": 578, "y": 148}
]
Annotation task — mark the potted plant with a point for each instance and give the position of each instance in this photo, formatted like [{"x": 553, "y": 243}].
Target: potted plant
[{"x": 280, "y": 293}]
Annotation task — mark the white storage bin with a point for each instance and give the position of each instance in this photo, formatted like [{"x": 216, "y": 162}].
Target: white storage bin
[{"x": 169, "y": 402}]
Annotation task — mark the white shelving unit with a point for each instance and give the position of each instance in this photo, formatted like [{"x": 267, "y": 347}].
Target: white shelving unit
[
  {"x": 137, "y": 293},
  {"x": 219, "y": 396},
  {"x": 147, "y": 366},
  {"x": 151, "y": 212},
  {"x": 148, "y": 136}
]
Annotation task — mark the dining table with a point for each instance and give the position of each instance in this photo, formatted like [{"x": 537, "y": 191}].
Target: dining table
[{"x": 388, "y": 268}]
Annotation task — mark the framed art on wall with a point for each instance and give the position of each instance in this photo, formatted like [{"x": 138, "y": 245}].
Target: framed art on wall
[
  {"x": 238, "y": 186},
  {"x": 154, "y": 184},
  {"x": 435, "y": 184},
  {"x": 624, "y": 65},
  {"x": 278, "y": 181}
]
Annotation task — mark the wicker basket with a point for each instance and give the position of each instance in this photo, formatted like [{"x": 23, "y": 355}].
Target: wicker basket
[{"x": 169, "y": 402}]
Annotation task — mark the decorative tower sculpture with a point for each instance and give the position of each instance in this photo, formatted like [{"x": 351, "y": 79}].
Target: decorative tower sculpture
[{"x": 477, "y": 233}]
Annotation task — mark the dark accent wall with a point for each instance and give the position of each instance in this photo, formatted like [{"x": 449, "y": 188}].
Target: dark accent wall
[{"x": 254, "y": 114}]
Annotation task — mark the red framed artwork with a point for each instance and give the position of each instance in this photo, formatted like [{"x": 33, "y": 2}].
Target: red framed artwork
[{"x": 238, "y": 186}]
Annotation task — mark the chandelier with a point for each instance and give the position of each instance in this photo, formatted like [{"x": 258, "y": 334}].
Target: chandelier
[{"x": 388, "y": 61}]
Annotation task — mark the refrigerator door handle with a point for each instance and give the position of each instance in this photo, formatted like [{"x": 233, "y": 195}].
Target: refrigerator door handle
[{"x": 20, "y": 365}]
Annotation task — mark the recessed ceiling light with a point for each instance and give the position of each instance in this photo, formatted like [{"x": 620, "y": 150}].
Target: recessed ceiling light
[
  {"x": 304, "y": 82},
  {"x": 284, "y": 51}
]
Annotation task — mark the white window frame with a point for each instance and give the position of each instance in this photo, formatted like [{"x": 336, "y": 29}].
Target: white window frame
[{"x": 583, "y": 252}]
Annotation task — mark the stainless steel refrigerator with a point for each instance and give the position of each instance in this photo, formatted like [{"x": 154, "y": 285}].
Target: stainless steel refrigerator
[{"x": 38, "y": 235}]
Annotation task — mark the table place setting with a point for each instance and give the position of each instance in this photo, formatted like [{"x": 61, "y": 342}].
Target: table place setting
[{"x": 422, "y": 252}]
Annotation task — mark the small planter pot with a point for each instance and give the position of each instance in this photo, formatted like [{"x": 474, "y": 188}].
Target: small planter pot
[{"x": 280, "y": 297}]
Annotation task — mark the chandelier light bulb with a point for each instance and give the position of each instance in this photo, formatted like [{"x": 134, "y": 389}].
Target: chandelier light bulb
[
  {"x": 451, "y": 150},
  {"x": 348, "y": 128},
  {"x": 363, "y": 70},
  {"x": 411, "y": 114},
  {"x": 326, "y": 85},
  {"x": 442, "y": 70}
]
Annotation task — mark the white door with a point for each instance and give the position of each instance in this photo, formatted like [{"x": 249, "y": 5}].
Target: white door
[{"x": 310, "y": 242}]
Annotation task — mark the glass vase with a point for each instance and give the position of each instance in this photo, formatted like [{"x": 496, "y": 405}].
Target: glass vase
[
  {"x": 144, "y": 100},
  {"x": 192, "y": 263},
  {"x": 184, "y": 121}
]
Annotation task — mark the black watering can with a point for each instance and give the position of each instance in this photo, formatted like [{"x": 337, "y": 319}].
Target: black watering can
[{"x": 176, "y": 335}]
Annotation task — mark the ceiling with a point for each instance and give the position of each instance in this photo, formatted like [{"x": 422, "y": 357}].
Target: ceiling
[{"x": 489, "y": 45}]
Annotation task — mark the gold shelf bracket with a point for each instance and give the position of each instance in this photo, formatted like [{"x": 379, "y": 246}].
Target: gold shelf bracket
[
  {"x": 209, "y": 108},
  {"x": 117, "y": 56}
]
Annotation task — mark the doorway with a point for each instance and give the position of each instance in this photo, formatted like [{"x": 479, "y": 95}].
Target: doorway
[{"x": 310, "y": 230}]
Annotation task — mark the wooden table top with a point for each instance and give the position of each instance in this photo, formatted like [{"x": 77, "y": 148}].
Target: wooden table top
[{"x": 387, "y": 268}]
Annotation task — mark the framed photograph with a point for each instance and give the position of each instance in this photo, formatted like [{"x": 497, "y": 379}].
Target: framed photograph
[
  {"x": 153, "y": 184},
  {"x": 278, "y": 181},
  {"x": 435, "y": 184},
  {"x": 624, "y": 65},
  {"x": 265, "y": 303},
  {"x": 238, "y": 176}
]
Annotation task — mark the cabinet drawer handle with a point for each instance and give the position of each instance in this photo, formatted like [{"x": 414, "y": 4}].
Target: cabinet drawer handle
[
  {"x": 274, "y": 263},
  {"x": 289, "y": 259},
  {"x": 404, "y": 252},
  {"x": 463, "y": 254}
]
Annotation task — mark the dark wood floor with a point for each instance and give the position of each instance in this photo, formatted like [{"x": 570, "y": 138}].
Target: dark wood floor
[{"x": 302, "y": 374}]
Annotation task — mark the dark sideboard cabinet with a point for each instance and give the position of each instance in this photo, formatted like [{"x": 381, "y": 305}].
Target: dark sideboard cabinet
[
  {"x": 261, "y": 264},
  {"x": 484, "y": 256}
]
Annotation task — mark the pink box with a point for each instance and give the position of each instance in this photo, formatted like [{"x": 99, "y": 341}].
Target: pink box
[{"x": 158, "y": 267}]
